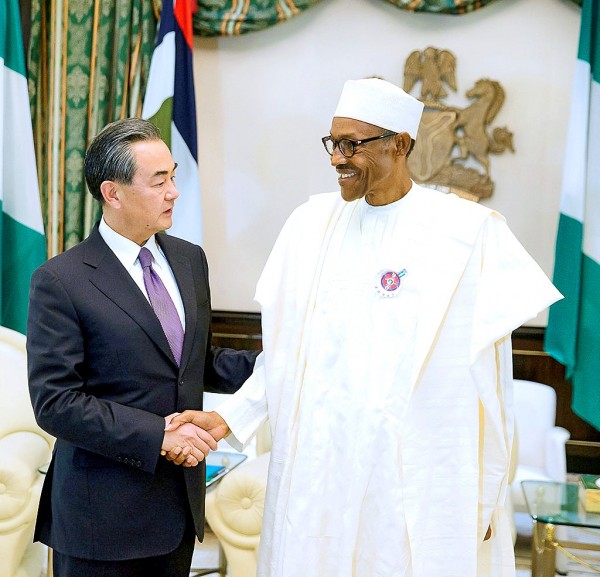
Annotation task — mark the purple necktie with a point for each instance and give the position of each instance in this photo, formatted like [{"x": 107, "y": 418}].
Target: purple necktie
[{"x": 163, "y": 305}]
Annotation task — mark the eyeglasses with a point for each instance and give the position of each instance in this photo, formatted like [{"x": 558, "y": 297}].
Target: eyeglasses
[{"x": 348, "y": 147}]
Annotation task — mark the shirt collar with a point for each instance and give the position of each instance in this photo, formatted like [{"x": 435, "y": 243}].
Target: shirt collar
[{"x": 126, "y": 250}]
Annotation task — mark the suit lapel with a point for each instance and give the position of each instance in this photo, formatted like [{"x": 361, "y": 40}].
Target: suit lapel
[{"x": 111, "y": 278}]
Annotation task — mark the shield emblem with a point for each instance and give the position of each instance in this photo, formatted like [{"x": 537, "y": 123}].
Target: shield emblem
[{"x": 434, "y": 144}]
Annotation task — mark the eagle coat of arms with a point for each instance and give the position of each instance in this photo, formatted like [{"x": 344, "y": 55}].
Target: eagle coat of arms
[{"x": 453, "y": 144}]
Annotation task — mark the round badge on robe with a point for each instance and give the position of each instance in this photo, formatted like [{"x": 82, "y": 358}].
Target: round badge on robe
[{"x": 388, "y": 282}]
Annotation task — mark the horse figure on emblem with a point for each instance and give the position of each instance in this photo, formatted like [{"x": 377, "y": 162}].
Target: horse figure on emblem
[{"x": 489, "y": 97}]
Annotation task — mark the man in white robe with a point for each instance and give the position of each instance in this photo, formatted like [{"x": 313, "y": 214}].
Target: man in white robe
[{"x": 386, "y": 371}]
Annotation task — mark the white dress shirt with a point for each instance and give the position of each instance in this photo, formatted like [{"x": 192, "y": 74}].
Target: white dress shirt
[{"x": 128, "y": 252}]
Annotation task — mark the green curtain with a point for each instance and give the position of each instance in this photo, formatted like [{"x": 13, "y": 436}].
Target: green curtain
[
  {"x": 441, "y": 6},
  {"x": 234, "y": 17},
  {"x": 88, "y": 64}
]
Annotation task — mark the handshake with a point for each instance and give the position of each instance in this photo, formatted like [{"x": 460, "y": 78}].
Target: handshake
[{"x": 191, "y": 435}]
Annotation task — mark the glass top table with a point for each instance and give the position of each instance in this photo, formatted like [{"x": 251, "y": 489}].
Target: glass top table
[
  {"x": 553, "y": 504},
  {"x": 219, "y": 463},
  {"x": 558, "y": 503}
]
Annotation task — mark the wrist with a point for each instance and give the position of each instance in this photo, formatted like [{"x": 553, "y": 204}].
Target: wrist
[{"x": 220, "y": 424}]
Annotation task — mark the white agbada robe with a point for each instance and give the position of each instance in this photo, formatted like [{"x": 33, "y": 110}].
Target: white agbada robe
[{"x": 390, "y": 417}]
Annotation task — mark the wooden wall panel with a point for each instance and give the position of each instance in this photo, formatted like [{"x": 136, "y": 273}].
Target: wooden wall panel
[
  {"x": 236, "y": 330},
  {"x": 530, "y": 362}
]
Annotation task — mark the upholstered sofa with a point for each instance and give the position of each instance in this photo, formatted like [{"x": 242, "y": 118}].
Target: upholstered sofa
[{"x": 24, "y": 449}]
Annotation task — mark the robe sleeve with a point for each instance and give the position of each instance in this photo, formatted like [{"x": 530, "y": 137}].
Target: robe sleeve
[
  {"x": 512, "y": 290},
  {"x": 493, "y": 374},
  {"x": 246, "y": 409}
]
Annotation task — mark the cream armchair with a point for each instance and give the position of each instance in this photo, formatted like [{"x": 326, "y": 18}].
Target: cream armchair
[
  {"x": 24, "y": 448},
  {"x": 234, "y": 509},
  {"x": 542, "y": 445}
]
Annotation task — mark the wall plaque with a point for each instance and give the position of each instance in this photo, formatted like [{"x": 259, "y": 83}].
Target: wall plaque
[{"x": 454, "y": 144}]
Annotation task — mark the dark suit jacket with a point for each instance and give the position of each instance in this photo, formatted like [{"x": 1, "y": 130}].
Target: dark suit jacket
[{"x": 102, "y": 377}]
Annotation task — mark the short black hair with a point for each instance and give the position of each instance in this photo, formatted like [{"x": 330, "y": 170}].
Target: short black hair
[{"x": 109, "y": 156}]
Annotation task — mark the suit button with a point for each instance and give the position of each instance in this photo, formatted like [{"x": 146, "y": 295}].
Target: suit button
[{"x": 181, "y": 383}]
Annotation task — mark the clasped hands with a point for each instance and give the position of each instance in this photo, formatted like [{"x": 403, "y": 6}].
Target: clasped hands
[{"x": 191, "y": 435}]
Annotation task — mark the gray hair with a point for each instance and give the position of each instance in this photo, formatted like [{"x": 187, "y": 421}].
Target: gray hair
[{"x": 109, "y": 156}]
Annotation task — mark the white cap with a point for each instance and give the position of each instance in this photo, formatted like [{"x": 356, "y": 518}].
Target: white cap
[{"x": 380, "y": 103}]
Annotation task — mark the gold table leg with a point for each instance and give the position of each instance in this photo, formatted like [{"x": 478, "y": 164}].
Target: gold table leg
[{"x": 543, "y": 550}]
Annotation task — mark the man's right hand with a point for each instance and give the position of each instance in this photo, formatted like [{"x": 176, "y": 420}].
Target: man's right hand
[
  {"x": 212, "y": 423},
  {"x": 190, "y": 444}
]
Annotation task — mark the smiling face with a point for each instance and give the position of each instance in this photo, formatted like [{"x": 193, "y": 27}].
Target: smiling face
[
  {"x": 377, "y": 170},
  {"x": 144, "y": 207}
]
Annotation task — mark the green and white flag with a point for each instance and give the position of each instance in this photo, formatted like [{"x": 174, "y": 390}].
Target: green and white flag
[
  {"x": 21, "y": 228},
  {"x": 573, "y": 333}
]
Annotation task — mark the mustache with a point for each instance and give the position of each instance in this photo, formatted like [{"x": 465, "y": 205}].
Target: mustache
[{"x": 345, "y": 167}]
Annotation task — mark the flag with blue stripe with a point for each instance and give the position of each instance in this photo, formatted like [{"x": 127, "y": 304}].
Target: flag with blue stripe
[{"x": 170, "y": 104}]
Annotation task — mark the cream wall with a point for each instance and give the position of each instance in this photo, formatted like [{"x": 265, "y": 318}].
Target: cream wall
[{"x": 266, "y": 98}]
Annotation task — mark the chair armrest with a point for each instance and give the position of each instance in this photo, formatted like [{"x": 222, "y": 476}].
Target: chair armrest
[
  {"x": 556, "y": 455},
  {"x": 21, "y": 455},
  {"x": 234, "y": 509}
]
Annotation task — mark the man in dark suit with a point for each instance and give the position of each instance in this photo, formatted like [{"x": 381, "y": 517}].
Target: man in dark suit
[{"x": 106, "y": 374}]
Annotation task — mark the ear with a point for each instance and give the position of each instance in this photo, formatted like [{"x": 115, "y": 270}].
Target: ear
[
  {"x": 110, "y": 193},
  {"x": 402, "y": 141}
]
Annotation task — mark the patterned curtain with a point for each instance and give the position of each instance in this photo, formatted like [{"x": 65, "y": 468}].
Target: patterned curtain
[
  {"x": 441, "y": 6},
  {"x": 234, "y": 17},
  {"x": 88, "y": 63}
]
